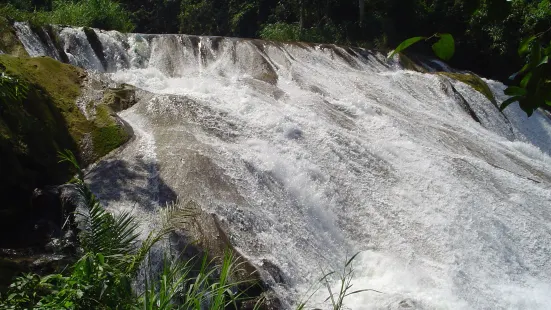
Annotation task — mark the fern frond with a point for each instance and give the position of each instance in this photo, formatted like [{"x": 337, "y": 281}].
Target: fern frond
[
  {"x": 111, "y": 235},
  {"x": 66, "y": 156},
  {"x": 177, "y": 214}
]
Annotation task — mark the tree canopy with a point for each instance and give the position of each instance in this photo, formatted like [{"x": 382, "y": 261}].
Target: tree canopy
[{"x": 486, "y": 32}]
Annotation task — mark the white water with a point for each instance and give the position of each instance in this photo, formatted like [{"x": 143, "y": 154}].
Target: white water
[{"x": 343, "y": 153}]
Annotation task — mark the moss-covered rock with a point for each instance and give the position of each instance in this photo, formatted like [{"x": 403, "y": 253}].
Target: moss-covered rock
[
  {"x": 9, "y": 43},
  {"x": 32, "y": 131},
  {"x": 108, "y": 134},
  {"x": 471, "y": 79},
  {"x": 120, "y": 98},
  {"x": 47, "y": 121},
  {"x": 474, "y": 81}
]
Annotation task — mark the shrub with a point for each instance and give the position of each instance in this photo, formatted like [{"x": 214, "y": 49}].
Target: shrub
[
  {"x": 280, "y": 32},
  {"x": 104, "y": 14},
  {"x": 11, "y": 12},
  {"x": 328, "y": 33}
]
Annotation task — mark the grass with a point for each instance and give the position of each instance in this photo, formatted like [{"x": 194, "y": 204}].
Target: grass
[{"x": 337, "y": 297}]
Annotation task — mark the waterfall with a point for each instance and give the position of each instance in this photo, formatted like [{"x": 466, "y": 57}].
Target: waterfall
[{"x": 309, "y": 154}]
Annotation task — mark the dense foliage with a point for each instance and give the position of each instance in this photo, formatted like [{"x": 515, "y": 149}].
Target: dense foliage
[
  {"x": 487, "y": 32},
  {"x": 534, "y": 79},
  {"x": 105, "y": 14}
]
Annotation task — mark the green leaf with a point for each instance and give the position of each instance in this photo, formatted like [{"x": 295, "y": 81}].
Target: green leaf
[
  {"x": 526, "y": 80},
  {"x": 507, "y": 102},
  {"x": 535, "y": 55},
  {"x": 527, "y": 109},
  {"x": 524, "y": 68},
  {"x": 351, "y": 259},
  {"x": 361, "y": 291},
  {"x": 101, "y": 258},
  {"x": 407, "y": 43},
  {"x": 544, "y": 61},
  {"x": 445, "y": 47},
  {"x": 515, "y": 91},
  {"x": 525, "y": 45}
]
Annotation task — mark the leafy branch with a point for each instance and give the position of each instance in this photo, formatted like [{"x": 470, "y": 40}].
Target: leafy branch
[
  {"x": 533, "y": 89},
  {"x": 444, "y": 48}
]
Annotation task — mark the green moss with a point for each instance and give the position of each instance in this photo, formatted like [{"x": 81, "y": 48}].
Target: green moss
[
  {"x": 60, "y": 82},
  {"x": 108, "y": 135},
  {"x": 103, "y": 116},
  {"x": 108, "y": 138},
  {"x": 32, "y": 131},
  {"x": 468, "y": 78},
  {"x": 474, "y": 81},
  {"x": 9, "y": 43}
]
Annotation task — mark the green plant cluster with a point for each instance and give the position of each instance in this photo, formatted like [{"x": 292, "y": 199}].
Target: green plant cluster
[
  {"x": 444, "y": 48},
  {"x": 11, "y": 89},
  {"x": 292, "y": 32},
  {"x": 486, "y": 32},
  {"x": 104, "y": 14},
  {"x": 533, "y": 89}
]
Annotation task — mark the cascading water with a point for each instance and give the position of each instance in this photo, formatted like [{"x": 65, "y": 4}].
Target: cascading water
[{"x": 311, "y": 153}]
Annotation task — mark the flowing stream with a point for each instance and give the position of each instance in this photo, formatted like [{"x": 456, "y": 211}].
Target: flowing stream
[{"x": 312, "y": 153}]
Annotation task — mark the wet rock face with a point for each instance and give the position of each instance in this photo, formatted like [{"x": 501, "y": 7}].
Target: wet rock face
[{"x": 120, "y": 98}]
